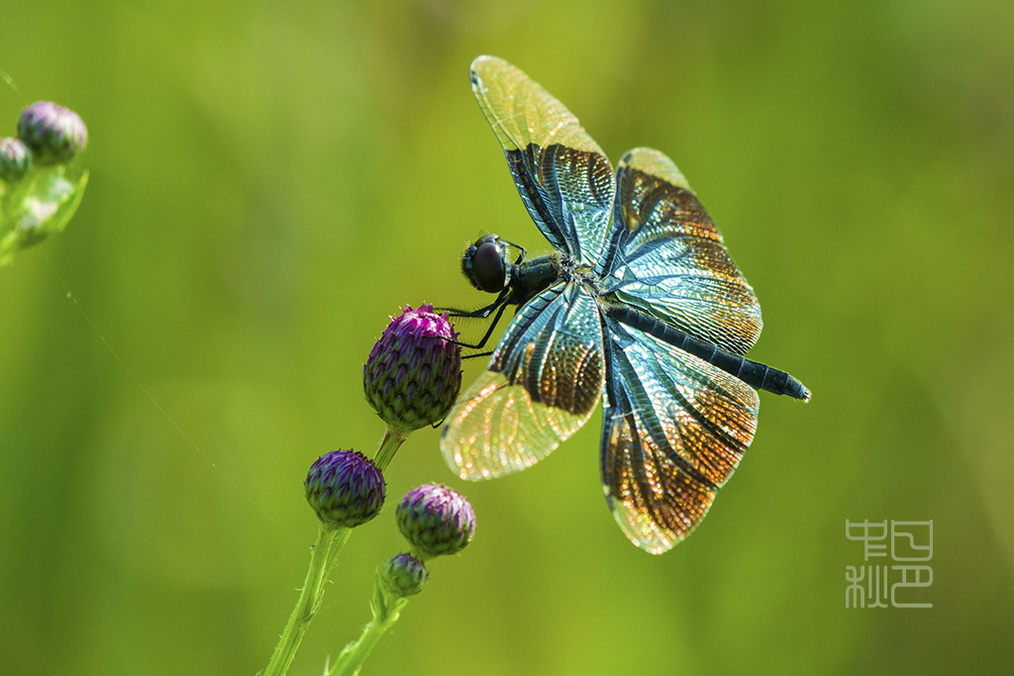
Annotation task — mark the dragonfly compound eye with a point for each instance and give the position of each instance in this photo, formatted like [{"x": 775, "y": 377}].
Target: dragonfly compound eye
[{"x": 485, "y": 264}]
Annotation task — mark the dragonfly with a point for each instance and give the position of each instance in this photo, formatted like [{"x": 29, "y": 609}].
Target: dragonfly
[{"x": 639, "y": 306}]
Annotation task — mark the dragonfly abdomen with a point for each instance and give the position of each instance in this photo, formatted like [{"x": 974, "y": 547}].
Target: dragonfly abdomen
[{"x": 753, "y": 373}]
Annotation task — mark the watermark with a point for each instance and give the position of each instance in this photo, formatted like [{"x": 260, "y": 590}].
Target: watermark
[{"x": 890, "y": 585}]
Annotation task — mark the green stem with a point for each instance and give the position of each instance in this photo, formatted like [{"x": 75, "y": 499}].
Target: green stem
[
  {"x": 388, "y": 447},
  {"x": 386, "y": 609},
  {"x": 323, "y": 557}
]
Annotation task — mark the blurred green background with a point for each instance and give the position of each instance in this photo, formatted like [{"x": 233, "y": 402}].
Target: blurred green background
[{"x": 271, "y": 180}]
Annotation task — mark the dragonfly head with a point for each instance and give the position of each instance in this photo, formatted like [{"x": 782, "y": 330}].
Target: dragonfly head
[{"x": 486, "y": 264}]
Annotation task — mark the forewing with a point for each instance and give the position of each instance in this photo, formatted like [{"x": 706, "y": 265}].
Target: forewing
[
  {"x": 564, "y": 178},
  {"x": 674, "y": 429},
  {"x": 543, "y": 382},
  {"x": 668, "y": 258}
]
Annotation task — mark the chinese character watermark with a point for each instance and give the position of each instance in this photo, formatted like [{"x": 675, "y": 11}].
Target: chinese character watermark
[{"x": 882, "y": 585}]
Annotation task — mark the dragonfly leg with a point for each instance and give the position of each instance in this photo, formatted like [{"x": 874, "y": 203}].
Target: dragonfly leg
[{"x": 492, "y": 325}]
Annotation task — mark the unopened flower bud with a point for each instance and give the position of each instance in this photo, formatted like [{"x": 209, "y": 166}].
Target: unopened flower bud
[
  {"x": 53, "y": 133},
  {"x": 15, "y": 160},
  {"x": 413, "y": 374},
  {"x": 436, "y": 520},
  {"x": 345, "y": 489},
  {"x": 404, "y": 575}
]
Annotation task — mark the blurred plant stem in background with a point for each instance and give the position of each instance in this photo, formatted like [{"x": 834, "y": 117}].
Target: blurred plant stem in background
[{"x": 41, "y": 184}]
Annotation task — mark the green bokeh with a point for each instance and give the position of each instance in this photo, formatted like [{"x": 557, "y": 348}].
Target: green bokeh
[{"x": 270, "y": 180}]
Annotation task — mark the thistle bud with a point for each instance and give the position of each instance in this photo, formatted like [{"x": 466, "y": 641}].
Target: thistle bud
[
  {"x": 15, "y": 160},
  {"x": 53, "y": 133},
  {"x": 345, "y": 489},
  {"x": 404, "y": 575},
  {"x": 436, "y": 520},
  {"x": 413, "y": 374}
]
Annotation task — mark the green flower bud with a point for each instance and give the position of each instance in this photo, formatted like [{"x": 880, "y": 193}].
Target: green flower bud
[
  {"x": 413, "y": 374},
  {"x": 15, "y": 160},
  {"x": 436, "y": 520},
  {"x": 345, "y": 488},
  {"x": 54, "y": 134},
  {"x": 404, "y": 575}
]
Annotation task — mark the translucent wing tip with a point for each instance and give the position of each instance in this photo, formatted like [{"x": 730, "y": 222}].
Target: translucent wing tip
[
  {"x": 483, "y": 63},
  {"x": 657, "y": 164},
  {"x": 471, "y": 460},
  {"x": 478, "y": 61},
  {"x": 645, "y": 532},
  {"x": 479, "y": 460}
]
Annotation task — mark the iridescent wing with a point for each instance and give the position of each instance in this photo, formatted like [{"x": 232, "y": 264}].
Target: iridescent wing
[
  {"x": 674, "y": 429},
  {"x": 563, "y": 176},
  {"x": 667, "y": 257},
  {"x": 543, "y": 382}
]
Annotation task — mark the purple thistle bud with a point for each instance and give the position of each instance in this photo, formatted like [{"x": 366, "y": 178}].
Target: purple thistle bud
[
  {"x": 15, "y": 160},
  {"x": 436, "y": 520},
  {"x": 404, "y": 575},
  {"x": 54, "y": 134},
  {"x": 413, "y": 374},
  {"x": 345, "y": 488}
]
